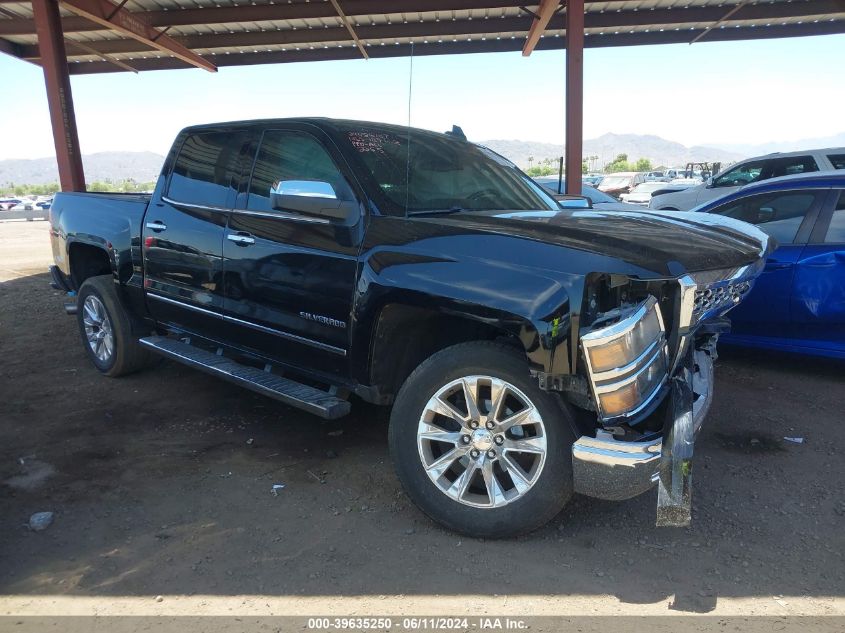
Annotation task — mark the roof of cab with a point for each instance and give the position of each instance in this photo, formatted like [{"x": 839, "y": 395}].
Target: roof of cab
[{"x": 325, "y": 123}]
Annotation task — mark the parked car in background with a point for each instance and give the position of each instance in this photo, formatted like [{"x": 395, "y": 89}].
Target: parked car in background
[
  {"x": 592, "y": 179},
  {"x": 749, "y": 171},
  {"x": 798, "y": 303},
  {"x": 599, "y": 199},
  {"x": 45, "y": 204},
  {"x": 621, "y": 182},
  {"x": 641, "y": 195},
  {"x": 678, "y": 184},
  {"x": 7, "y": 203},
  {"x": 655, "y": 176},
  {"x": 674, "y": 172}
]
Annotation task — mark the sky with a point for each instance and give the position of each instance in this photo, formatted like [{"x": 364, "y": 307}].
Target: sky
[{"x": 719, "y": 94}]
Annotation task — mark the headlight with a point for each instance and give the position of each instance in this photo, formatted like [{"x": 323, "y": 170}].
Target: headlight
[{"x": 626, "y": 361}]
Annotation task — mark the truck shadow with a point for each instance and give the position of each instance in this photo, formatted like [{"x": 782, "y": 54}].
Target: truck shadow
[{"x": 170, "y": 482}]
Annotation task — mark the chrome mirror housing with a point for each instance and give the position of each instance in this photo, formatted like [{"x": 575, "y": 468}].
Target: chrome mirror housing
[
  {"x": 306, "y": 188},
  {"x": 314, "y": 198}
]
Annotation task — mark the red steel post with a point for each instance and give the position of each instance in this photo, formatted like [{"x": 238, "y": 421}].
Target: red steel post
[
  {"x": 574, "y": 94},
  {"x": 51, "y": 44}
]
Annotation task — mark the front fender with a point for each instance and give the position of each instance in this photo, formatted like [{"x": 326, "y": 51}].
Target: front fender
[{"x": 530, "y": 305}]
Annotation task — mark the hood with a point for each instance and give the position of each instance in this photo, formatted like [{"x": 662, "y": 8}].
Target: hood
[
  {"x": 669, "y": 244},
  {"x": 615, "y": 206}
]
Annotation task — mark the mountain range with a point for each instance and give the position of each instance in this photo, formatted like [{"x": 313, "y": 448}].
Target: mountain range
[
  {"x": 145, "y": 166},
  {"x": 607, "y": 146},
  {"x": 102, "y": 166}
]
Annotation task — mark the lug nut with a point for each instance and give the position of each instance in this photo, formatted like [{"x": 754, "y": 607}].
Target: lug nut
[
  {"x": 465, "y": 439},
  {"x": 499, "y": 440},
  {"x": 491, "y": 453},
  {"x": 474, "y": 424},
  {"x": 490, "y": 425},
  {"x": 474, "y": 453}
]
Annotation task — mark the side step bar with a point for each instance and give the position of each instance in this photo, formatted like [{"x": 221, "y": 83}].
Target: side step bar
[{"x": 288, "y": 391}]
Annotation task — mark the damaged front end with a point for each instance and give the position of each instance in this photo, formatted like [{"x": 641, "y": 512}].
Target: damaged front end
[{"x": 647, "y": 350}]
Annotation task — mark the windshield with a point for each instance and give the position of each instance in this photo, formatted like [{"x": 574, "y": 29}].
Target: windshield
[
  {"x": 442, "y": 174},
  {"x": 615, "y": 181},
  {"x": 648, "y": 187}
]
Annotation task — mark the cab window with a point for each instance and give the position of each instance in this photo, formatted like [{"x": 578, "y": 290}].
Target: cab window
[
  {"x": 778, "y": 214},
  {"x": 207, "y": 170},
  {"x": 292, "y": 156}
]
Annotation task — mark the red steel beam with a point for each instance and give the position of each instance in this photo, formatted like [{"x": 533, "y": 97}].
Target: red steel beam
[
  {"x": 574, "y": 94},
  {"x": 350, "y": 28},
  {"x": 544, "y": 13},
  {"x": 112, "y": 16},
  {"x": 59, "y": 98},
  {"x": 719, "y": 21}
]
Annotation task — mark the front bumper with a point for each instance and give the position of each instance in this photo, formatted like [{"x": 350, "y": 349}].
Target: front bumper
[{"x": 606, "y": 468}]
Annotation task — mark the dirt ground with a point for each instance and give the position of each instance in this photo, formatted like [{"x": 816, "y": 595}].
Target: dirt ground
[{"x": 161, "y": 487}]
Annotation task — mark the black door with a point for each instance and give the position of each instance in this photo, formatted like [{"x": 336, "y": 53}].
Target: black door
[
  {"x": 183, "y": 232},
  {"x": 290, "y": 277}
]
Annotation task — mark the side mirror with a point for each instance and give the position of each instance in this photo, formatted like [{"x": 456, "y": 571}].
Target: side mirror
[
  {"x": 566, "y": 201},
  {"x": 765, "y": 214},
  {"x": 709, "y": 182},
  {"x": 312, "y": 197}
]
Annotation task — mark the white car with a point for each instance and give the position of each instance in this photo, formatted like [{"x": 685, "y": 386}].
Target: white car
[
  {"x": 642, "y": 193},
  {"x": 748, "y": 171}
]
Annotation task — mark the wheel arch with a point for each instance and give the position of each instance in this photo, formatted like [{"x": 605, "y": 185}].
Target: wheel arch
[
  {"x": 405, "y": 334},
  {"x": 88, "y": 260}
]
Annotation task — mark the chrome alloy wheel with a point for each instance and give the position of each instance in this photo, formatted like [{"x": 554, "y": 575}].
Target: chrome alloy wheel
[
  {"x": 482, "y": 441},
  {"x": 98, "y": 329}
]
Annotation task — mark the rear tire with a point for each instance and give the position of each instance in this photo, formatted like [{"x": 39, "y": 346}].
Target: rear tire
[
  {"x": 107, "y": 331},
  {"x": 463, "y": 465}
]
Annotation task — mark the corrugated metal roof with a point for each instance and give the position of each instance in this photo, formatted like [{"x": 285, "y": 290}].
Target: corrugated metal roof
[{"x": 232, "y": 32}]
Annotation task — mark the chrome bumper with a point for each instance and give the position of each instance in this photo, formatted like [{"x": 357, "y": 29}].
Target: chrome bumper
[{"x": 606, "y": 468}]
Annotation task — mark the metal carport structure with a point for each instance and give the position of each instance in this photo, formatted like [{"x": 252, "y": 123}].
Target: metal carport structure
[{"x": 69, "y": 37}]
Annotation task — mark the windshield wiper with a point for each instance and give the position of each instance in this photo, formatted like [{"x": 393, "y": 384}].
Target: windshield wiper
[{"x": 455, "y": 209}]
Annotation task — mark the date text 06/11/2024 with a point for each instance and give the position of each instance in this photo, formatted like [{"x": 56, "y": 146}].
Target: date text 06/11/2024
[{"x": 416, "y": 623}]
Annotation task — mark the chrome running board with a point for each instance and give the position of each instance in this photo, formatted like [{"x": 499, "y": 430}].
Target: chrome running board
[{"x": 290, "y": 392}]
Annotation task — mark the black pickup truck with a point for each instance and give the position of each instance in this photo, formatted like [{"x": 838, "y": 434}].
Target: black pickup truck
[{"x": 529, "y": 351}]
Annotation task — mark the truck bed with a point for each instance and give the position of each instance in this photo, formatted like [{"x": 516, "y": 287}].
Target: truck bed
[{"x": 109, "y": 221}]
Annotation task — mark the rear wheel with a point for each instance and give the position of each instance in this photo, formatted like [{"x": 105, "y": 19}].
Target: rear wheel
[
  {"x": 478, "y": 446},
  {"x": 106, "y": 330}
]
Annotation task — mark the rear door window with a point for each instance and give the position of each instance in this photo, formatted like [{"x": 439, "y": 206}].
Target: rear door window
[
  {"x": 207, "y": 170},
  {"x": 778, "y": 214},
  {"x": 791, "y": 165},
  {"x": 837, "y": 160}
]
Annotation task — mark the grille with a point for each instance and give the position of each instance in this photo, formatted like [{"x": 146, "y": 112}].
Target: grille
[{"x": 719, "y": 297}]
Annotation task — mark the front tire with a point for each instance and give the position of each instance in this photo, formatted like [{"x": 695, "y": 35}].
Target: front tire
[
  {"x": 478, "y": 446},
  {"x": 106, "y": 329}
]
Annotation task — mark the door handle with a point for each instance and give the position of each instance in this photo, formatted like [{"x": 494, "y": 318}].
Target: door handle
[
  {"x": 158, "y": 226},
  {"x": 241, "y": 239},
  {"x": 776, "y": 265}
]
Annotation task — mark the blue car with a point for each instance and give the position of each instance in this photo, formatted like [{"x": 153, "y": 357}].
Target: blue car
[{"x": 798, "y": 303}]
